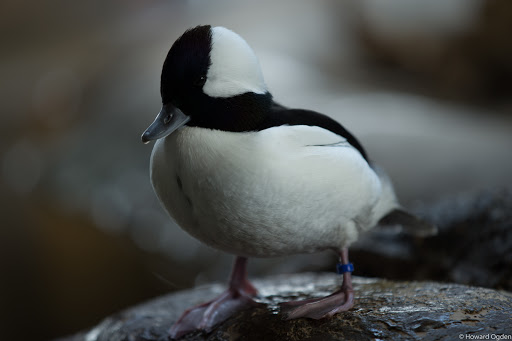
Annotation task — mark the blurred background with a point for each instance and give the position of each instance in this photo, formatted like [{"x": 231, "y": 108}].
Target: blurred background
[{"x": 426, "y": 86}]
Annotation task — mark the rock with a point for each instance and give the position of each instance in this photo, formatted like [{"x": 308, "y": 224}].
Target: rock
[
  {"x": 385, "y": 310},
  {"x": 473, "y": 246}
]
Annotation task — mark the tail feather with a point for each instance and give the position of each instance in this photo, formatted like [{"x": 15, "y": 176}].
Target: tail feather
[{"x": 410, "y": 223}]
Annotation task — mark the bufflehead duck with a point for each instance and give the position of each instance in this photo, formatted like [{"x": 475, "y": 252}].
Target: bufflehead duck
[{"x": 251, "y": 177}]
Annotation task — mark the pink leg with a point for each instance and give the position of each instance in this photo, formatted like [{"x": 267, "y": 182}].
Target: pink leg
[
  {"x": 205, "y": 316},
  {"x": 317, "y": 308}
]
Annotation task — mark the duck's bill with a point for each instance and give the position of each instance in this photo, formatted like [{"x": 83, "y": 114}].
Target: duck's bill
[{"x": 167, "y": 121}]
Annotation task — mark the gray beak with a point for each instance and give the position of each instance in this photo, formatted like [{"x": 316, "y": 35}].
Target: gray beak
[{"x": 168, "y": 120}]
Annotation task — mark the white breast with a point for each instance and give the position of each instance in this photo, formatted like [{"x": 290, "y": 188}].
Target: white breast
[{"x": 283, "y": 190}]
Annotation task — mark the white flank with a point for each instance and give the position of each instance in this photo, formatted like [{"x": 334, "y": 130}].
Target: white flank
[{"x": 283, "y": 190}]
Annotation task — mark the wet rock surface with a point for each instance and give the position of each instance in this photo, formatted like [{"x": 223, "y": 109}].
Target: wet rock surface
[
  {"x": 385, "y": 310},
  {"x": 473, "y": 246}
]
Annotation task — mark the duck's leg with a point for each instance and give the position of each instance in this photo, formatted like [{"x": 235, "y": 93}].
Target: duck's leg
[
  {"x": 317, "y": 308},
  {"x": 205, "y": 316}
]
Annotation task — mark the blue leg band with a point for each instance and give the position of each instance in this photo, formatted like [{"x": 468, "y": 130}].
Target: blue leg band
[{"x": 342, "y": 268}]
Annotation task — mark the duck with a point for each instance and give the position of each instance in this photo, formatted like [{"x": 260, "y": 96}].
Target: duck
[{"x": 248, "y": 176}]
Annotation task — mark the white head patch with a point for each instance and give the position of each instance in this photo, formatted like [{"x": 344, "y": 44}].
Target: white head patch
[{"x": 234, "y": 68}]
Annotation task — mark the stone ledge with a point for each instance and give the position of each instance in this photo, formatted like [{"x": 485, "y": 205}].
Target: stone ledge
[{"x": 385, "y": 310}]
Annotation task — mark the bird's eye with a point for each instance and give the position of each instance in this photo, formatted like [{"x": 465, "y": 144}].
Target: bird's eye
[{"x": 199, "y": 82}]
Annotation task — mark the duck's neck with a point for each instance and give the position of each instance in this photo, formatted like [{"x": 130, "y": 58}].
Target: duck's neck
[{"x": 240, "y": 113}]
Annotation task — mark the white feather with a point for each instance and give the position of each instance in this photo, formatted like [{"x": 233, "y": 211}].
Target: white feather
[
  {"x": 234, "y": 67},
  {"x": 267, "y": 193}
]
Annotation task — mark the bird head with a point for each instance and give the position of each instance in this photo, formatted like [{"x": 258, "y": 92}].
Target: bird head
[{"x": 210, "y": 78}]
